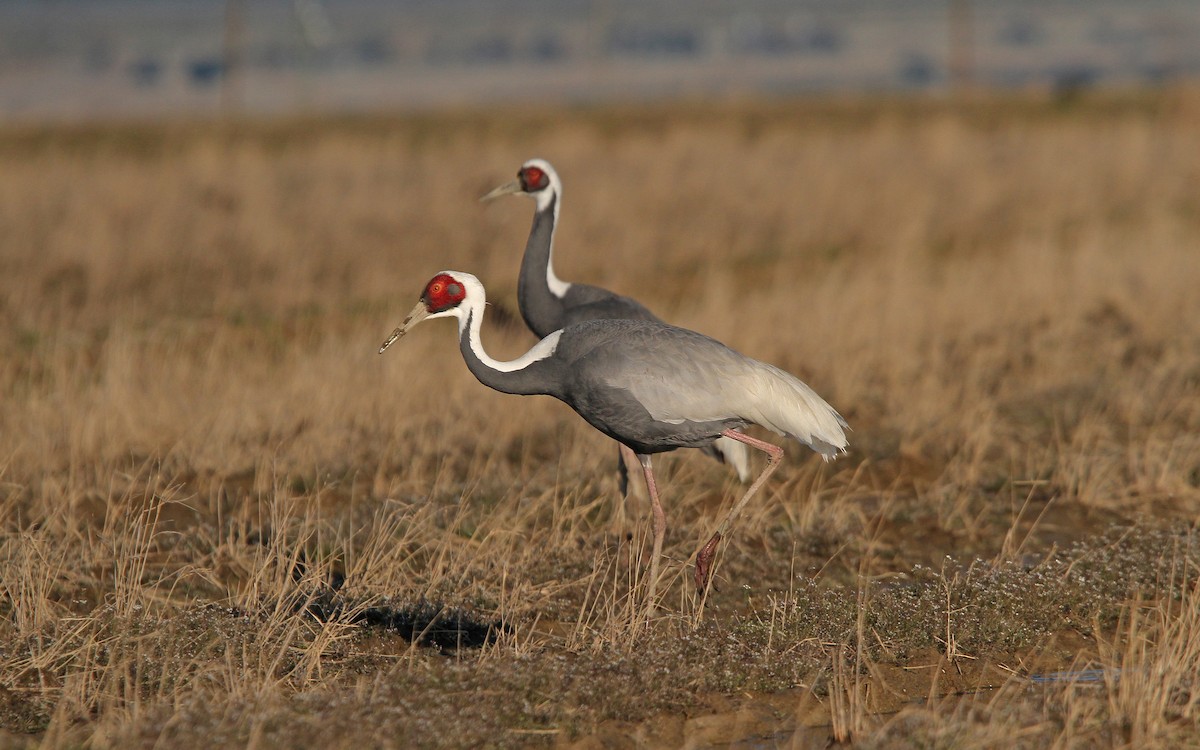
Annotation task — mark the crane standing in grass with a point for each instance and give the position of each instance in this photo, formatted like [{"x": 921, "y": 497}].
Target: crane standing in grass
[
  {"x": 650, "y": 386},
  {"x": 548, "y": 303}
]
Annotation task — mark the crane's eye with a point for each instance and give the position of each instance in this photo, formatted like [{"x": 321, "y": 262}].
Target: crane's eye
[
  {"x": 435, "y": 288},
  {"x": 533, "y": 178}
]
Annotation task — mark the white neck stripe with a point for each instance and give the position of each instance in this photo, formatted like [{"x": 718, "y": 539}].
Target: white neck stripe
[
  {"x": 470, "y": 313},
  {"x": 553, "y": 192}
]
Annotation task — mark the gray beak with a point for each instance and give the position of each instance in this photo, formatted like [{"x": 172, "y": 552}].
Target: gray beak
[
  {"x": 508, "y": 188},
  {"x": 419, "y": 313}
]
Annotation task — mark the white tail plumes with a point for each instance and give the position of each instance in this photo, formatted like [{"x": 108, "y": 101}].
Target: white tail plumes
[{"x": 783, "y": 404}]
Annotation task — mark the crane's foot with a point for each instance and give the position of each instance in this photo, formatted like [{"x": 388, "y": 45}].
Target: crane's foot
[{"x": 704, "y": 560}]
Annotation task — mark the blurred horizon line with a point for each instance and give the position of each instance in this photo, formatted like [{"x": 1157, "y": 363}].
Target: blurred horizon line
[{"x": 104, "y": 59}]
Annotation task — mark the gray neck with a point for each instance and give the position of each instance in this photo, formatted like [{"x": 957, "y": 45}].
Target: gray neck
[
  {"x": 530, "y": 375},
  {"x": 542, "y": 309}
]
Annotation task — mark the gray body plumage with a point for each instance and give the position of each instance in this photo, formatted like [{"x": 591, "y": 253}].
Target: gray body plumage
[
  {"x": 657, "y": 387},
  {"x": 583, "y": 302},
  {"x": 620, "y": 370}
]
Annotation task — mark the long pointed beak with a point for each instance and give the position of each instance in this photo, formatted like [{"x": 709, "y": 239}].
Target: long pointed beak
[
  {"x": 507, "y": 188},
  {"x": 419, "y": 313}
]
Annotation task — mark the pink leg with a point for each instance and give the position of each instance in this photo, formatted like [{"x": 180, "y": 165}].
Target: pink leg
[
  {"x": 704, "y": 557},
  {"x": 660, "y": 531}
]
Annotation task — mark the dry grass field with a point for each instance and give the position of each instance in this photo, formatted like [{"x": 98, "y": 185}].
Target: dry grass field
[{"x": 227, "y": 522}]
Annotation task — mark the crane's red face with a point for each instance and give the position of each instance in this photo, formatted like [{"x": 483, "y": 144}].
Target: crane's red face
[
  {"x": 533, "y": 179},
  {"x": 442, "y": 293}
]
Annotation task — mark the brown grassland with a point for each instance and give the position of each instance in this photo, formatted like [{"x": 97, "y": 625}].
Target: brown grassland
[{"x": 225, "y": 521}]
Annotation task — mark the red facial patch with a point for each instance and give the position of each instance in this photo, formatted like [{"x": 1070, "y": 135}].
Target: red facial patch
[
  {"x": 533, "y": 179},
  {"x": 442, "y": 293}
]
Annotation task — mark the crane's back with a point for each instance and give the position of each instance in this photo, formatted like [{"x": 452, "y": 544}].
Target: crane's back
[{"x": 680, "y": 377}]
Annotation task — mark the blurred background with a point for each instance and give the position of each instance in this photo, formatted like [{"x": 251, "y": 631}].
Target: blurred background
[{"x": 119, "y": 58}]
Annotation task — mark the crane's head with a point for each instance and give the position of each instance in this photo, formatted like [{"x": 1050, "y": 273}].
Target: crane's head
[
  {"x": 443, "y": 297},
  {"x": 536, "y": 178}
]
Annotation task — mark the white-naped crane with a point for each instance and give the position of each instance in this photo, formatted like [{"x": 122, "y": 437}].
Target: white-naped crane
[
  {"x": 650, "y": 386},
  {"x": 549, "y": 304}
]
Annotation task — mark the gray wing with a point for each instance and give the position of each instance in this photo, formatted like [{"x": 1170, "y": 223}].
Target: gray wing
[
  {"x": 680, "y": 376},
  {"x": 585, "y": 303},
  {"x": 675, "y": 373},
  {"x": 601, "y": 381}
]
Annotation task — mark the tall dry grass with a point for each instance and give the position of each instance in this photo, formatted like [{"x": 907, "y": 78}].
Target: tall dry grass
[{"x": 1000, "y": 298}]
